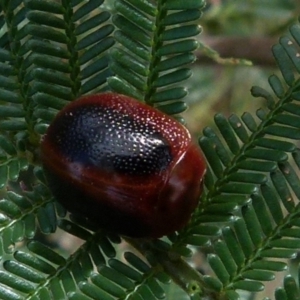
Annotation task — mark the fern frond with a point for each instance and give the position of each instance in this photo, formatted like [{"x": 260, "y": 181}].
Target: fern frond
[
  {"x": 94, "y": 45},
  {"x": 114, "y": 276},
  {"x": 153, "y": 51},
  {"x": 14, "y": 90},
  {"x": 21, "y": 216},
  {"x": 92, "y": 272},
  {"x": 249, "y": 250},
  {"x": 13, "y": 118},
  {"x": 251, "y": 188},
  {"x": 68, "y": 51},
  {"x": 248, "y": 218},
  {"x": 12, "y": 113},
  {"x": 10, "y": 163}
]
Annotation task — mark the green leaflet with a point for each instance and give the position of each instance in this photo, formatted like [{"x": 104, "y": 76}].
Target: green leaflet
[{"x": 289, "y": 291}]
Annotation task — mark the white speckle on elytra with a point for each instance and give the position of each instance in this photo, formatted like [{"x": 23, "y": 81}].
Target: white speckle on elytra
[{"x": 127, "y": 139}]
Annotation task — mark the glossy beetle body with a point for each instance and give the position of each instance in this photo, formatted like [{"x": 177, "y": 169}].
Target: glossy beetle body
[{"x": 124, "y": 165}]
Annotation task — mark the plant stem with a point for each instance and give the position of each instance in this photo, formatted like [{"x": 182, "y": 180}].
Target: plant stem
[{"x": 189, "y": 279}]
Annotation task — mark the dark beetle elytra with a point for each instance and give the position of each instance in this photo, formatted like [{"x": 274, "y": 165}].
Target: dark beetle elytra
[{"x": 124, "y": 165}]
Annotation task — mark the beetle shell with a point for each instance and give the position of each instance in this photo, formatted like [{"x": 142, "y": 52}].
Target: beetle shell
[{"x": 125, "y": 166}]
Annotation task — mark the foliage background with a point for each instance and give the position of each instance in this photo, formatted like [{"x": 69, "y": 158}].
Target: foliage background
[
  {"x": 245, "y": 30},
  {"x": 237, "y": 29}
]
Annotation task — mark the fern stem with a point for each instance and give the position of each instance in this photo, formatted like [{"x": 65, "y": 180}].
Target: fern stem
[
  {"x": 185, "y": 276},
  {"x": 71, "y": 46},
  {"x": 155, "y": 59},
  {"x": 257, "y": 134},
  {"x": 206, "y": 199},
  {"x": 256, "y": 253},
  {"x": 60, "y": 269}
]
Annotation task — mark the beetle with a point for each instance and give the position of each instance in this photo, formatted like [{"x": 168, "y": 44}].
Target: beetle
[{"x": 124, "y": 165}]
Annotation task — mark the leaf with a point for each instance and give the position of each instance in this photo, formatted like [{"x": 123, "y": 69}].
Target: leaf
[{"x": 148, "y": 46}]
